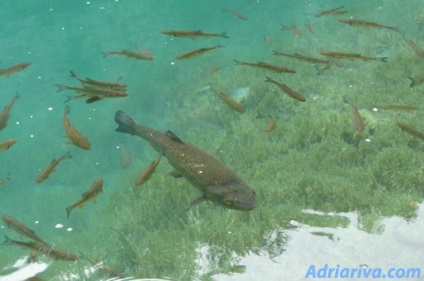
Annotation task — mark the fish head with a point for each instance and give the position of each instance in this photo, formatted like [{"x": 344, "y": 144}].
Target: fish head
[{"x": 235, "y": 194}]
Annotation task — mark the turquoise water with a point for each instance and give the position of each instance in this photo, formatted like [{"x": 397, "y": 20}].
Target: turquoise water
[{"x": 326, "y": 193}]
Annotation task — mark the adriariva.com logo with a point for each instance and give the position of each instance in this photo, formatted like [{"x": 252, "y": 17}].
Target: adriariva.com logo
[{"x": 362, "y": 271}]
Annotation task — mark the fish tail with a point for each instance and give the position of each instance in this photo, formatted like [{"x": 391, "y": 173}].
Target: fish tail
[
  {"x": 126, "y": 123},
  {"x": 68, "y": 212},
  {"x": 7, "y": 240},
  {"x": 269, "y": 80},
  {"x": 68, "y": 155},
  {"x": 16, "y": 96},
  {"x": 69, "y": 98},
  {"x": 238, "y": 62},
  {"x": 384, "y": 59},
  {"x": 224, "y": 35},
  {"x": 105, "y": 54},
  {"x": 413, "y": 82},
  {"x": 61, "y": 87},
  {"x": 66, "y": 110},
  {"x": 73, "y": 74}
]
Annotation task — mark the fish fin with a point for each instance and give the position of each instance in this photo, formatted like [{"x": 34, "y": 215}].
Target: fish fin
[
  {"x": 92, "y": 99},
  {"x": 175, "y": 174},
  {"x": 68, "y": 212},
  {"x": 197, "y": 201},
  {"x": 126, "y": 123},
  {"x": 413, "y": 82},
  {"x": 173, "y": 136},
  {"x": 7, "y": 240},
  {"x": 60, "y": 88},
  {"x": 69, "y": 98}
]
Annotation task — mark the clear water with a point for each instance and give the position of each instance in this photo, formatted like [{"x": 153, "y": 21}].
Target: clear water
[{"x": 326, "y": 193}]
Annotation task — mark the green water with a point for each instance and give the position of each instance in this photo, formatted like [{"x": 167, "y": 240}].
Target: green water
[{"x": 325, "y": 192}]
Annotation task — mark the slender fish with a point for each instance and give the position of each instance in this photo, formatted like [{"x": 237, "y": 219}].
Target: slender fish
[
  {"x": 5, "y": 145},
  {"x": 417, "y": 49},
  {"x": 89, "y": 195},
  {"x": 366, "y": 24},
  {"x": 147, "y": 173},
  {"x": 45, "y": 173},
  {"x": 193, "y": 34},
  {"x": 50, "y": 251},
  {"x": 197, "y": 52},
  {"x": 268, "y": 66},
  {"x": 87, "y": 82},
  {"x": 143, "y": 55},
  {"x": 217, "y": 182},
  {"x": 350, "y": 56},
  {"x": 292, "y": 93},
  {"x": 92, "y": 94},
  {"x": 332, "y": 12},
  {"x": 75, "y": 137},
  {"x": 412, "y": 131},
  {"x": 302, "y": 57},
  {"x": 6, "y": 72},
  {"x": 5, "y": 114},
  {"x": 22, "y": 229},
  {"x": 229, "y": 101}
]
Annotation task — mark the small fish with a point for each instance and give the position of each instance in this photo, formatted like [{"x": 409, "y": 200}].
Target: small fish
[
  {"x": 87, "y": 82},
  {"x": 4, "y": 180},
  {"x": 125, "y": 159},
  {"x": 5, "y": 114},
  {"x": 22, "y": 229},
  {"x": 45, "y": 173},
  {"x": 231, "y": 103},
  {"x": 214, "y": 69},
  {"x": 91, "y": 93},
  {"x": 50, "y": 251},
  {"x": 366, "y": 24},
  {"x": 350, "y": 56},
  {"x": 398, "y": 107},
  {"x": 143, "y": 55},
  {"x": 415, "y": 81},
  {"x": 268, "y": 66},
  {"x": 292, "y": 93},
  {"x": 89, "y": 195},
  {"x": 147, "y": 173},
  {"x": 6, "y": 72},
  {"x": 193, "y": 34},
  {"x": 272, "y": 124},
  {"x": 5, "y": 145},
  {"x": 197, "y": 52},
  {"x": 357, "y": 120},
  {"x": 237, "y": 14},
  {"x": 296, "y": 31},
  {"x": 417, "y": 49},
  {"x": 412, "y": 131},
  {"x": 302, "y": 57},
  {"x": 309, "y": 27},
  {"x": 332, "y": 12},
  {"x": 73, "y": 134}
]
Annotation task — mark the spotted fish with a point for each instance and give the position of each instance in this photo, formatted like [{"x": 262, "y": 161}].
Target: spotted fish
[{"x": 217, "y": 182}]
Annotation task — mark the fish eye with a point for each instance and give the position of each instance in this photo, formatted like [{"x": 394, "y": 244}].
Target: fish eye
[{"x": 228, "y": 201}]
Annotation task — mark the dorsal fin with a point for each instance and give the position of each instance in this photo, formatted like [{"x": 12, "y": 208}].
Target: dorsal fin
[{"x": 173, "y": 136}]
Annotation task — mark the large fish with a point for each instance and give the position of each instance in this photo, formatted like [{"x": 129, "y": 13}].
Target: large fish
[{"x": 217, "y": 182}]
